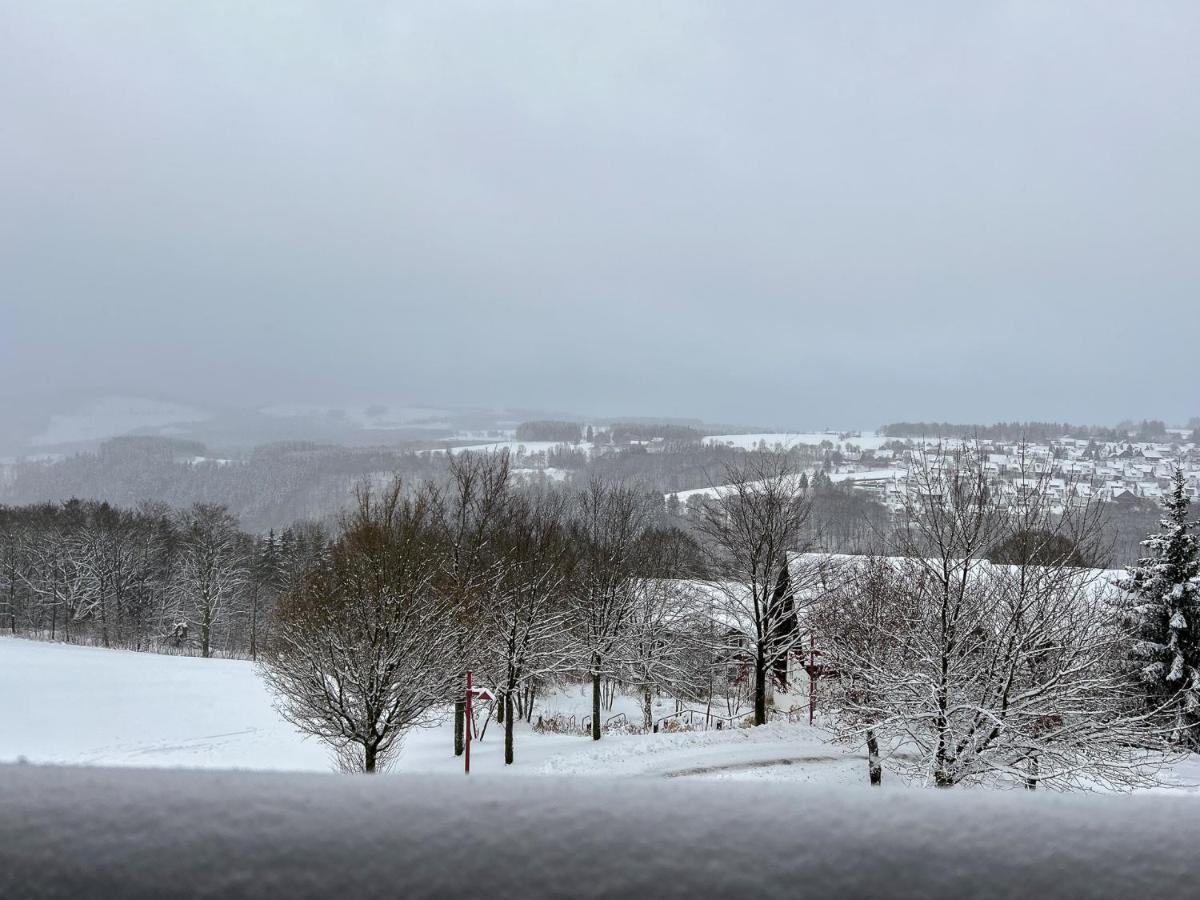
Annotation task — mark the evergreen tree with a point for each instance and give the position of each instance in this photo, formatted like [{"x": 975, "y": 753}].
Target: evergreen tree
[{"x": 1164, "y": 612}]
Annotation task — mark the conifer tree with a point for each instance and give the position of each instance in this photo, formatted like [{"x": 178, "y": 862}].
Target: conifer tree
[{"x": 1164, "y": 613}]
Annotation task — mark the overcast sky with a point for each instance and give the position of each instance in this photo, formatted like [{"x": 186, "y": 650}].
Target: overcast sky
[{"x": 798, "y": 213}]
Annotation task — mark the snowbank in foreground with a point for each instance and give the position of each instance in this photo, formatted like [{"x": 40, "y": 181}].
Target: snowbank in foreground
[{"x": 100, "y": 832}]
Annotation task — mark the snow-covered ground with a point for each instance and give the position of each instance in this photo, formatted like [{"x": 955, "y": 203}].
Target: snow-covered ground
[
  {"x": 90, "y": 706},
  {"x": 778, "y": 752}
]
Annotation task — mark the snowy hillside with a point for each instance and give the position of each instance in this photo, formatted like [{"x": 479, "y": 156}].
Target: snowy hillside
[{"x": 89, "y": 706}]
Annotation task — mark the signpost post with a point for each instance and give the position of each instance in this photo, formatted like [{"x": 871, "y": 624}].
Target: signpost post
[
  {"x": 468, "y": 725},
  {"x": 472, "y": 693}
]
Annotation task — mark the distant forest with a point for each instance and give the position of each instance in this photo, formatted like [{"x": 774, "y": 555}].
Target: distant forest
[
  {"x": 1038, "y": 432},
  {"x": 279, "y": 484},
  {"x": 615, "y": 432}
]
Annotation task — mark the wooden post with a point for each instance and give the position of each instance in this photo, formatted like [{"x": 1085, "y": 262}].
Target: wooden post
[
  {"x": 812, "y": 677},
  {"x": 467, "y": 729}
]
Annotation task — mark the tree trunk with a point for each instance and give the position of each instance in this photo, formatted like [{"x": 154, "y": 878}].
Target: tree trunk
[
  {"x": 508, "y": 728},
  {"x": 103, "y": 615},
  {"x": 254, "y": 627},
  {"x": 760, "y": 690},
  {"x": 940, "y": 776},
  {"x": 647, "y": 709},
  {"x": 12, "y": 601},
  {"x": 875, "y": 770},
  {"x": 206, "y": 629},
  {"x": 369, "y": 753},
  {"x": 1031, "y": 779},
  {"x": 595, "y": 705},
  {"x": 501, "y": 708},
  {"x": 460, "y": 719}
]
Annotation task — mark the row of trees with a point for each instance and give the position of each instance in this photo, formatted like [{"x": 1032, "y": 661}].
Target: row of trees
[
  {"x": 520, "y": 585},
  {"x": 146, "y": 578},
  {"x": 1037, "y": 432},
  {"x": 550, "y": 430},
  {"x": 528, "y": 585}
]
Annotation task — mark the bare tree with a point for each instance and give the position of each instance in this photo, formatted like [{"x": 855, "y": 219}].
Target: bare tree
[
  {"x": 56, "y": 572},
  {"x": 10, "y": 568},
  {"x": 468, "y": 512},
  {"x": 611, "y": 519},
  {"x": 854, "y": 621},
  {"x": 525, "y": 618},
  {"x": 661, "y": 630},
  {"x": 758, "y": 517},
  {"x": 979, "y": 670},
  {"x": 365, "y": 649},
  {"x": 213, "y": 568}
]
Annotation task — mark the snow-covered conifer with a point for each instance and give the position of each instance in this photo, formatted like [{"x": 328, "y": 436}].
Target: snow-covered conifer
[{"x": 1163, "y": 612}]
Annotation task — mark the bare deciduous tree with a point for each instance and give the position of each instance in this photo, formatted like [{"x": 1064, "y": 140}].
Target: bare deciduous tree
[
  {"x": 212, "y": 570},
  {"x": 757, "y": 519},
  {"x": 611, "y": 519},
  {"x": 468, "y": 512},
  {"x": 978, "y": 670},
  {"x": 525, "y": 618},
  {"x": 662, "y": 628},
  {"x": 366, "y": 648}
]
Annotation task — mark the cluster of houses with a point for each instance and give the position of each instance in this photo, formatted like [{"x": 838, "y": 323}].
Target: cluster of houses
[{"x": 1072, "y": 471}]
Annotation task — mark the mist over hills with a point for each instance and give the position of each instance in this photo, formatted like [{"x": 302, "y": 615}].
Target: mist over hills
[{"x": 71, "y": 425}]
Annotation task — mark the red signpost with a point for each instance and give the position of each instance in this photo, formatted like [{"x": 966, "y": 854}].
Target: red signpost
[{"x": 484, "y": 695}]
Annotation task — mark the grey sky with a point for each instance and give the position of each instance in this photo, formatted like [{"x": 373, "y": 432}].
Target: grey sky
[{"x": 793, "y": 213}]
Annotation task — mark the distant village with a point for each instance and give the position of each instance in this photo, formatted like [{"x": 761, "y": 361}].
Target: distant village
[{"x": 1078, "y": 470}]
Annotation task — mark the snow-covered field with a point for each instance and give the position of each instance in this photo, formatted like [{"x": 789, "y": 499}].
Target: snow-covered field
[
  {"x": 836, "y": 477},
  {"x": 89, "y": 706}
]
